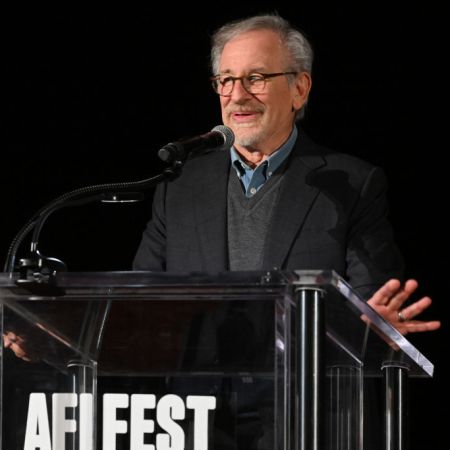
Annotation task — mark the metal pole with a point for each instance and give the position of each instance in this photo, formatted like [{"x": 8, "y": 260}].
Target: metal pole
[
  {"x": 310, "y": 369},
  {"x": 395, "y": 379}
]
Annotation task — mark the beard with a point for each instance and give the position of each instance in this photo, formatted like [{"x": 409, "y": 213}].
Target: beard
[{"x": 249, "y": 137}]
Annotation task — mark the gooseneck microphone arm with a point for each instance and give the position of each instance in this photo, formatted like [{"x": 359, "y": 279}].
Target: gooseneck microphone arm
[{"x": 76, "y": 197}]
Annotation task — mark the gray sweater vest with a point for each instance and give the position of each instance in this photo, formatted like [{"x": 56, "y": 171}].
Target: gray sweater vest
[{"x": 248, "y": 220}]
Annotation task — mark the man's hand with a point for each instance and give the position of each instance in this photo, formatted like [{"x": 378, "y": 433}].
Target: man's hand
[
  {"x": 19, "y": 345},
  {"x": 388, "y": 302}
]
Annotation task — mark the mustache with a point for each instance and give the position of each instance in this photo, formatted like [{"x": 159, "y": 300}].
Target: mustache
[{"x": 243, "y": 110}]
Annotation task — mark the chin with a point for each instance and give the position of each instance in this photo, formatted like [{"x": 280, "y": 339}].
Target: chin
[
  {"x": 246, "y": 142},
  {"x": 249, "y": 139}
]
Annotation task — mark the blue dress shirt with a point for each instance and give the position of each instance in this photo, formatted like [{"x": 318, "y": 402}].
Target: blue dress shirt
[{"x": 254, "y": 179}]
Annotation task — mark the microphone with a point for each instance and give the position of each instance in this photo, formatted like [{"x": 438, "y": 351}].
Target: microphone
[{"x": 219, "y": 138}]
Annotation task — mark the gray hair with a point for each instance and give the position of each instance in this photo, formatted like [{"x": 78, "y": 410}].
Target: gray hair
[{"x": 298, "y": 47}]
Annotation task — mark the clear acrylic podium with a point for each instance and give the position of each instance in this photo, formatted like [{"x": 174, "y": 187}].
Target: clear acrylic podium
[{"x": 239, "y": 361}]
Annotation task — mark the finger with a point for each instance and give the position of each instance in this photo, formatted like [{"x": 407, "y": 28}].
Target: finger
[
  {"x": 403, "y": 294},
  {"x": 9, "y": 338},
  {"x": 416, "y": 308},
  {"x": 385, "y": 293},
  {"x": 417, "y": 326}
]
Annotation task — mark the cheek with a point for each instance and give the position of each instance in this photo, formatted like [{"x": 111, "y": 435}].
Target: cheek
[
  {"x": 223, "y": 109},
  {"x": 276, "y": 112},
  {"x": 224, "y": 102}
]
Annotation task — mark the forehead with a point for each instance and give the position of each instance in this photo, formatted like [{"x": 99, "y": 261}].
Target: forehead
[{"x": 253, "y": 50}]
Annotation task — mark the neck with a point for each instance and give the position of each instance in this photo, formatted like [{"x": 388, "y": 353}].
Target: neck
[{"x": 252, "y": 157}]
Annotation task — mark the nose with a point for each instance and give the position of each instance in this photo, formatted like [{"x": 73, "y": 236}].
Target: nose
[{"x": 239, "y": 92}]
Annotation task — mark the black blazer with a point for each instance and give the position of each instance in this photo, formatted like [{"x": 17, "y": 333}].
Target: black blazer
[{"x": 331, "y": 214}]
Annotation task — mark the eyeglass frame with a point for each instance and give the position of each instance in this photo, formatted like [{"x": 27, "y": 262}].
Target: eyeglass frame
[{"x": 215, "y": 81}]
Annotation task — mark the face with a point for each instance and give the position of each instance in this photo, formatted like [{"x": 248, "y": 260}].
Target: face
[{"x": 261, "y": 122}]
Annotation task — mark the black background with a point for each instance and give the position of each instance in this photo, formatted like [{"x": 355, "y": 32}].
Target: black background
[{"x": 89, "y": 96}]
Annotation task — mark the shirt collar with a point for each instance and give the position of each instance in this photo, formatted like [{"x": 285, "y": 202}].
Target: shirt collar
[{"x": 272, "y": 162}]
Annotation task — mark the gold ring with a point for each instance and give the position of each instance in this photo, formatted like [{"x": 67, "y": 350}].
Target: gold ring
[{"x": 401, "y": 317}]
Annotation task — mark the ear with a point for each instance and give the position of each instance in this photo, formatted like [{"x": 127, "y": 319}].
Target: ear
[{"x": 301, "y": 89}]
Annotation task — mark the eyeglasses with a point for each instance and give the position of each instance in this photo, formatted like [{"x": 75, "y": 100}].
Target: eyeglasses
[{"x": 254, "y": 83}]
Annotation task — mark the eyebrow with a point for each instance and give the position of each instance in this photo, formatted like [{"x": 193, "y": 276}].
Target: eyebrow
[{"x": 248, "y": 72}]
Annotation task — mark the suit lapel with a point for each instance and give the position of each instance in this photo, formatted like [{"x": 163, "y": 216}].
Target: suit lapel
[
  {"x": 295, "y": 200},
  {"x": 210, "y": 206}
]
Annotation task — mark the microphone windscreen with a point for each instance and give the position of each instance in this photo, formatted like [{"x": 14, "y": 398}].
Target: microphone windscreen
[{"x": 228, "y": 136}]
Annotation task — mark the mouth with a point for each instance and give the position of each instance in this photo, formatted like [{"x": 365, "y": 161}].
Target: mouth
[{"x": 244, "y": 116}]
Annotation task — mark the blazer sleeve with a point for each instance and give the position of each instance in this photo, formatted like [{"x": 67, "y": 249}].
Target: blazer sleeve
[
  {"x": 151, "y": 253},
  {"x": 372, "y": 256}
]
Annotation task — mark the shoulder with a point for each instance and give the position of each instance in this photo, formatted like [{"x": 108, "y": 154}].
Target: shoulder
[
  {"x": 307, "y": 149},
  {"x": 333, "y": 170},
  {"x": 324, "y": 159},
  {"x": 344, "y": 160}
]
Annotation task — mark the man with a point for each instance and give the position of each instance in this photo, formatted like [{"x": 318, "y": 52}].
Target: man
[{"x": 277, "y": 199}]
